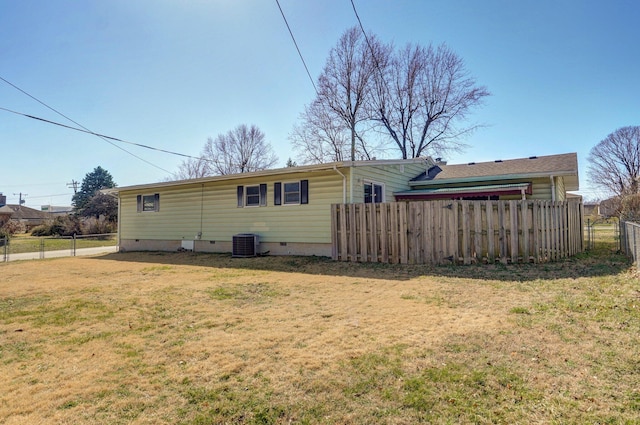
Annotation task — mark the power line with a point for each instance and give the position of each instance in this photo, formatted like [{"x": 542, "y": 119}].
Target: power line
[
  {"x": 366, "y": 39},
  {"x": 297, "y": 48},
  {"x": 80, "y": 125},
  {"x": 96, "y": 134},
  {"x": 210, "y": 160}
]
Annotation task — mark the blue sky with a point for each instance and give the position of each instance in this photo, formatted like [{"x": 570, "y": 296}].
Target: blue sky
[{"x": 563, "y": 75}]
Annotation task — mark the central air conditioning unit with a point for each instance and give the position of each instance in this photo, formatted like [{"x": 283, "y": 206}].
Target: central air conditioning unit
[{"x": 245, "y": 245}]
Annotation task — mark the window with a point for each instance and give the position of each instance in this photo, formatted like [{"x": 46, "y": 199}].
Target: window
[
  {"x": 373, "y": 193},
  {"x": 294, "y": 193},
  {"x": 148, "y": 203},
  {"x": 252, "y": 196}
]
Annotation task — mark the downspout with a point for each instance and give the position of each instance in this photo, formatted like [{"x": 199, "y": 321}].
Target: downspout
[
  {"x": 344, "y": 184},
  {"x": 119, "y": 224},
  {"x": 524, "y": 196},
  {"x": 351, "y": 184},
  {"x": 553, "y": 188}
]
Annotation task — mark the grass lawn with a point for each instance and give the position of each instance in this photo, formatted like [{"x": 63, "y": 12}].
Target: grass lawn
[{"x": 182, "y": 338}]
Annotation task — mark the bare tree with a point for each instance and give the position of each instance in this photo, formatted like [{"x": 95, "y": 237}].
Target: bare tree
[
  {"x": 615, "y": 162},
  {"x": 344, "y": 86},
  {"x": 193, "y": 168},
  {"x": 369, "y": 92},
  {"x": 421, "y": 96},
  {"x": 319, "y": 138},
  {"x": 241, "y": 150}
]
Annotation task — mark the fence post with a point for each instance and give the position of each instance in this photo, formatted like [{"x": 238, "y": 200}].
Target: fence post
[
  {"x": 6, "y": 248},
  {"x": 74, "y": 244},
  {"x": 41, "y": 248}
]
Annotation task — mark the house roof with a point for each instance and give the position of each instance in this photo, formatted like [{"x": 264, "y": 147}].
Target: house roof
[
  {"x": 493, "y": 189},
  {"x": 20, "y": 212},
  {"x": 272, "y": 172},
  {"x": 6, "y": 210},
  {"x": 565, "y": 165}
]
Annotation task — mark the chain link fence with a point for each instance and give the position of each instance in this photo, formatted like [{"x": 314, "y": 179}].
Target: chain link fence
[
  {"x": 630, "y": 239},
  {"x": 603, "y": 233},
  {"x": 18, "y": 247}
]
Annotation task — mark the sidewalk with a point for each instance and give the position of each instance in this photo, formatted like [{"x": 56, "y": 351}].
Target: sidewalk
[{"x": 60, "y": 253}]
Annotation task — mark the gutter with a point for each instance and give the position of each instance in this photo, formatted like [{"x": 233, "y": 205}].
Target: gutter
[{"x": 473, "y": 179}]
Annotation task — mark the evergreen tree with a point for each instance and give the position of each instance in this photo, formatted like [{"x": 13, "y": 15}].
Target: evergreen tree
[{"x": 94, "y": 181}]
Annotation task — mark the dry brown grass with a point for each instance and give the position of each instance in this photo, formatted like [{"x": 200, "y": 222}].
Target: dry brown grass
[{"x": 192, "y": 338}]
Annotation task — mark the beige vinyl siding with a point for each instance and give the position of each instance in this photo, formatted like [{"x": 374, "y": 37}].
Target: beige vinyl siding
[
  {"x": 394, "y": 177},
  {"x": 211, "y": 208},
  {"x": 561, "y": 193}
]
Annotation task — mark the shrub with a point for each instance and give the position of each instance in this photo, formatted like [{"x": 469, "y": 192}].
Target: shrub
[
  {"x": 60, "y": 226},
  {"x": 94, "y": 226},
  {"x": 630, "y": 208},
  {"x": 10, "y": 228}
]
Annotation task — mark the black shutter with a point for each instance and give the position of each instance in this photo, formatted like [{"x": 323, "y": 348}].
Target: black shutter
[
  {"x": 139, "y": 202},
  {"x": 240, "y": 196},
  {"x": 263, "y": 194},
  {"x": 156, "y": 202},
  {"x": 304, "y": 191},
  {"x": 277, "y": 193}
]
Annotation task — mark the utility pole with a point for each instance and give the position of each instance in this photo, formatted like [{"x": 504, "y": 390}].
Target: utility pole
[
  {"x": 74, "y": 185},
  {"x": 22, "y": 201}
]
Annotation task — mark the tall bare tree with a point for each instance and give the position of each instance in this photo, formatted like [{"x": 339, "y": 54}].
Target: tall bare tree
[
  {"x": 241, "y": 150},
  {"x": 319, "y": 138},
  {"x": 344, "y": 87},
  {"x": 422, "y": 97},
  {"x": 615, "y": 162},
  {"x": 415, "y": 100},
  {"x": 193, "y": 168}
]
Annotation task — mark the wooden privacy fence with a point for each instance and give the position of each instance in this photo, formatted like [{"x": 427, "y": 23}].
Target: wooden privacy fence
[{"x": 445, "y": 232}]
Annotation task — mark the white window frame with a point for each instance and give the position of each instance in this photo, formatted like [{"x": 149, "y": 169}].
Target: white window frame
[
  {"x": 246, "y": 195},
  {"x": 147, "y": 203},
  {"x": 284, "y": 192}
]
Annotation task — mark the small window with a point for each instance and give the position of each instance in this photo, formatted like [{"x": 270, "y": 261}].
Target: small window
[
  {"x": 373, "y": 193},
  {"x": 291, "y": 193},
  {"x": 252, "y": 196},
  {"x": 149, "y": 203}
]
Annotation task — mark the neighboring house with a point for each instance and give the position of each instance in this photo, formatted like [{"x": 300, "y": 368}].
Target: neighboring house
[
  {"x": 537, "y": 177},
  {"x": 29, "y": 217},
  {"x": 592, "y": 209},
  {"x": 290, "y": 208},
  {"x": 5, "y": 214}
]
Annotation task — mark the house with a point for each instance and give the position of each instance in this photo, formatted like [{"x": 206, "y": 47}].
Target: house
[
  {"x": 289, "y": 208},
  {"x": 537, "y": 177}
]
